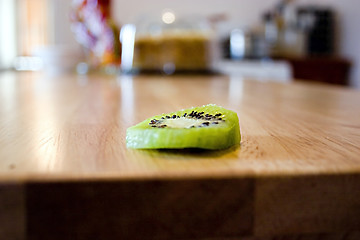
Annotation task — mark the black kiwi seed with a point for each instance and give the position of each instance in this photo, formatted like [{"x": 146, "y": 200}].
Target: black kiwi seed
[{"x": 213, "y": 119}]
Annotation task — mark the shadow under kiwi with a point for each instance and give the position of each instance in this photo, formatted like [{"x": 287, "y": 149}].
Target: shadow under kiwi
[{"x": 189, "y": 152}]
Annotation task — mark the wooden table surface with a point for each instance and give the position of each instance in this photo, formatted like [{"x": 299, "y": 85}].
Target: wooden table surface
[{"x": 64, "y": 163}]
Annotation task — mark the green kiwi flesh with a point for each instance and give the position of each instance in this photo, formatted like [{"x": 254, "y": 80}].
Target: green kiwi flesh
[{"x": 206, "y": 127}]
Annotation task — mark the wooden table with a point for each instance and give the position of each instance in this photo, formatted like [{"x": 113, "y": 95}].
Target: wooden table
[{"x": 65, "y": 172}]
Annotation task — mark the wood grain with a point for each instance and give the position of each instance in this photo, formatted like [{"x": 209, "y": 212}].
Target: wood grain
[
  {"x": 325, "y": 204},
  {"x": 62, "y": 144},
  {"x": 12, "y": 209},
  {"x": 177, "y": 209},
  {"x": 75, "y": 126}
]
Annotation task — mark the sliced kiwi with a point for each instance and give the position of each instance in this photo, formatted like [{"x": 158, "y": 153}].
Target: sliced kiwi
[{"x": 206, "y": 127}]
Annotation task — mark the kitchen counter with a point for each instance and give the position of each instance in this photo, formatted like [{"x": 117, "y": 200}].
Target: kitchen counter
[{"x": 65, "y": 172}]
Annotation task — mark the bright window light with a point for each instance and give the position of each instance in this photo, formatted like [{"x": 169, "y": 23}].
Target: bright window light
[{"x": 7, "y": 33}]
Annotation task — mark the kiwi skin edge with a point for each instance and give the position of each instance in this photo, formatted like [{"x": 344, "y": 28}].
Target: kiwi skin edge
[{"x": 214, "y": 137}]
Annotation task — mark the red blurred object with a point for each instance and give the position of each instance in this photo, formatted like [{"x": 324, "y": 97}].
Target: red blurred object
[{"x": 96, "y": 31}]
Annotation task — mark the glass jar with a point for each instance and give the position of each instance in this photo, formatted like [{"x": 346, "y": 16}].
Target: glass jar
[{"x": 168, "y": 44}]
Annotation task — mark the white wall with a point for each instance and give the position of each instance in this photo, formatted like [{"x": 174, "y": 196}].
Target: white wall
[
  {"x": 60, "y": 27},
  {"x": 248, "y": 12},
  {"x": 242, "y": 11}
]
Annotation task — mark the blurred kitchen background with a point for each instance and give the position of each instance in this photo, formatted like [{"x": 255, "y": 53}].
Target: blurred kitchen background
[{"x": 315, "y": 40}]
